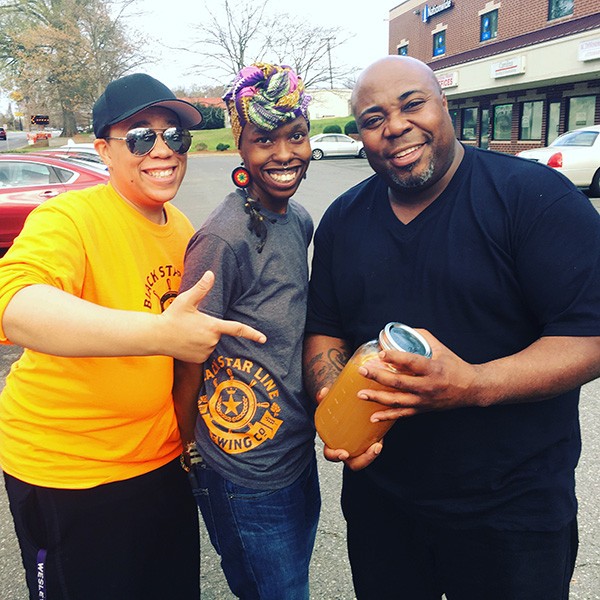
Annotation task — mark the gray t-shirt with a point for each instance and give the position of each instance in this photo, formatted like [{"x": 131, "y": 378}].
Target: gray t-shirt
[{"x": 256, "y": 422}]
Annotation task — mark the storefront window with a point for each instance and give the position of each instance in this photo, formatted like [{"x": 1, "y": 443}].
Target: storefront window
[
  {"x": 559, "y": 8},
  {"x": 484, "y": 129},
  {"x": 553, "y": 122},
  {"x": 454, "y": 116},
  {"x": 439, "y": 43},
  {"x": 531, "y": 121},
  {"x": 581, "y": 111},
  {"x": 469, "y": 124},
  {"x": 502, "y": 122},
  {"x": 489, "y": 26}
]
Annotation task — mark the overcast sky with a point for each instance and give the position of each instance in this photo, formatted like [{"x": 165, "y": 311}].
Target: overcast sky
[{"x": 171, "y": 21}]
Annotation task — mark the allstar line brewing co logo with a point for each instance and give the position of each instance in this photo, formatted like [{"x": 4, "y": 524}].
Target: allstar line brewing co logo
[{"x": 235, "y": 417}]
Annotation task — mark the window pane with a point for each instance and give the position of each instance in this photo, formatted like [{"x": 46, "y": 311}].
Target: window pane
[
  {"x": 484, "y": 128},
  {"x": 403, "y": 51},
  {"x": 33, "y": 174},
  {"x": 502, "y": 122},
  {"x": 559, "y": 8},
  {"x": 454, "y": 117},
  {"x": 577, "y": 138},
  {"x": 439, "y": 43},
  {"x": 581, "y": 111},
  {"x": 63, "y": 175},
  {"x": 469, "y": 124},
  {"x": 553, "y": 121},
  {"x": 489, "y": 25},
  {"x": 531, "y": 121}
]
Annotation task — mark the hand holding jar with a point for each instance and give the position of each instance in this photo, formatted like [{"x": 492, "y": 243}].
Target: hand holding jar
[{"x": 343, "y": 420}]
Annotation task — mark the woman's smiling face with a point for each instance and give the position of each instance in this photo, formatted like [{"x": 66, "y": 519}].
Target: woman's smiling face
[
  {"x": 277, "y": 161},
  {"x": 146, "y": 182}
]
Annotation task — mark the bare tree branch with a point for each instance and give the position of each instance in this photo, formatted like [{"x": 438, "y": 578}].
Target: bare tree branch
[{"x": 240, "y": 32}]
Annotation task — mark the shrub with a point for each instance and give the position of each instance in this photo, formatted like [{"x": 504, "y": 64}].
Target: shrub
[
  {"x": 212, "y": 117},
  {"x": 222, "y": 147},
  {"x": 350, "y": 127},
  {"x": 200, "y": 146},
  {"x": 332, "y": 129}
]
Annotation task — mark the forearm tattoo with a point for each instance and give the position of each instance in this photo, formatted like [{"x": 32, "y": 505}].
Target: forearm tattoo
[{"x": 323, "y": 368}]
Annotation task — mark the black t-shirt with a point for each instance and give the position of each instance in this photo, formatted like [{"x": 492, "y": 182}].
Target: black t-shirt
[{"x": 509, "y": 252}]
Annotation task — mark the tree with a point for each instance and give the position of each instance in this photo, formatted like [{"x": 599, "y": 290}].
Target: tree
[
  {"x": 9, "y": 118},
  {"x": 61, "y": 54},
  {"x": 308, "y": 49},
  {"x": 213, "y": 117},
  {"x": 200, "y": 91},
  {"x": 244, "y": 31},
  {"x": 231, "y": 37}
]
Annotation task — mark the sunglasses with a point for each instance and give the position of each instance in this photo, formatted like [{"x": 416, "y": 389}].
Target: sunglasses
[{"x": 141, "y": 140}]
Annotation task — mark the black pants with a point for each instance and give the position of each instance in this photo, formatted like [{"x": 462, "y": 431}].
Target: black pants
[
  {"x": 398, "y": 556},
  {"x": 131, "y": 540}
]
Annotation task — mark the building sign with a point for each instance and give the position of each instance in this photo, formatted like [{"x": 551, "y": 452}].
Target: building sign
[
  {"x": 589, "y": 50},
  {"x": 430, "y": 11},
  {"x": 447, "y": 80},
  {"x": 510, "y": 66}
]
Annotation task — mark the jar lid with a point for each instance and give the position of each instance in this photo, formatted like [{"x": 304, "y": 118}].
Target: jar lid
[{"x": 397, "y": 336}]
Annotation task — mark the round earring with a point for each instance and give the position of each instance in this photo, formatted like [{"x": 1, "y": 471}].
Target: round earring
[{"x": 241, "y": 177}]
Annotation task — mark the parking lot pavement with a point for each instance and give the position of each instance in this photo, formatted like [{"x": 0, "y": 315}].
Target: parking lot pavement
[
  {"x": 330, "y": 570},
  {"x": 330, "y": 573}
]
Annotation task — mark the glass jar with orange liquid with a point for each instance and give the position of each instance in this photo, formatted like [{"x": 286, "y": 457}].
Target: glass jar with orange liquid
[{"x": 342, "y": 418}]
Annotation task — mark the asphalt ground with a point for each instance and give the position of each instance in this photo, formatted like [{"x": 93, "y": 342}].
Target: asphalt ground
[{"x": 206, "y": 183}]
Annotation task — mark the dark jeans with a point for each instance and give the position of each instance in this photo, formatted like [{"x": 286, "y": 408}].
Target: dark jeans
[
  {"x": 400, "y": 556},
  {"x": 136, "y": 539},
  {"x": 265, "y": 537}
]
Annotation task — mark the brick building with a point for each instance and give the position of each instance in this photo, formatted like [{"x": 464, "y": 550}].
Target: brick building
[{"x": 516, "y": 74}]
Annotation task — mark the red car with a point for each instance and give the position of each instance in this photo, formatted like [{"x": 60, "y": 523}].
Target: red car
[
  {"x": 26, "y": 180},
  {"x": 2, "y": 133}
]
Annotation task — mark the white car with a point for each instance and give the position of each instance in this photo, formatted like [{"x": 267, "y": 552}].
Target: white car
[
  {"x": 576, "y": 154},
  {"x": 335, "y": 144},
  {"x": 83, "y": 152}
]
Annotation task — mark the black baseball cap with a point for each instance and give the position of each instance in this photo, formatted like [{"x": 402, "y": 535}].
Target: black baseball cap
[{"x": 128, "y": 95}]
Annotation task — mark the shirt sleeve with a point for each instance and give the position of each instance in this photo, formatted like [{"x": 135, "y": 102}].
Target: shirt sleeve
[
  {"x": 209, "y": 252},
  {"x": 558, "y": 264},
  {"x": 48, "y": 251}
]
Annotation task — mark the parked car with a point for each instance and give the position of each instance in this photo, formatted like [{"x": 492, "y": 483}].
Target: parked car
[
  {"x": 335, "y": 144},
  {"x": 26, "y": 180},
  {"x": 84, "y": 152},
  {"x": 2, "y": 133},
  {"x": 576, "y": 154}
]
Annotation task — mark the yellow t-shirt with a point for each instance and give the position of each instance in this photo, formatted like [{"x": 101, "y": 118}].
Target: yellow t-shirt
[{"x": 79, "y": 422}]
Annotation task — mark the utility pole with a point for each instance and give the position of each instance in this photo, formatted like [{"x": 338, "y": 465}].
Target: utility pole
[{"x": 329, "y": 57}]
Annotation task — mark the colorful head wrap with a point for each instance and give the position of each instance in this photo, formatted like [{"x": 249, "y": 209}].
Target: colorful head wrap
[{"x": 267, "y": 96}]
